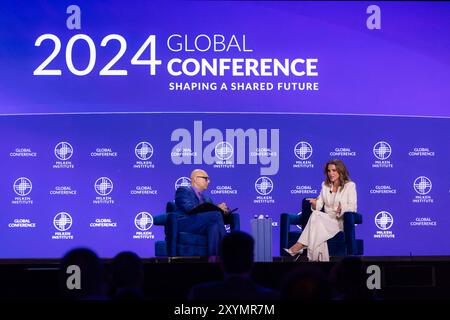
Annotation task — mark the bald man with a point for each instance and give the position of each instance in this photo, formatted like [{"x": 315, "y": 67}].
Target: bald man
[{"x": 207, "y": 223}]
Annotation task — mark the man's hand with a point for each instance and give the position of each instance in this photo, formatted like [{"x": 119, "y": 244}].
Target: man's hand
[{"x": 224, "y": 207}]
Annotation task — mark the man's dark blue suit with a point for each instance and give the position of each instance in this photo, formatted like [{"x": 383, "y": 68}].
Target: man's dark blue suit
[{"x": 207, "y": 223}]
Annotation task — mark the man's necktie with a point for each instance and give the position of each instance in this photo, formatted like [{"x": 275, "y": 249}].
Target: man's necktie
[{"x": 200, "y": 198}]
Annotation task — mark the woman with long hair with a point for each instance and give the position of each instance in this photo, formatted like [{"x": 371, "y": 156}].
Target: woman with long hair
[{"x": 338, "y": 195}]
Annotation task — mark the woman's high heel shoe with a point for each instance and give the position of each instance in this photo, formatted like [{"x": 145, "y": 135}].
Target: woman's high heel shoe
[{"x": 292, "y": 253}]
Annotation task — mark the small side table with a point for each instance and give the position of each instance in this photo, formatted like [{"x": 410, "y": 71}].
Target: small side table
[{"x": 262, "y": 234}]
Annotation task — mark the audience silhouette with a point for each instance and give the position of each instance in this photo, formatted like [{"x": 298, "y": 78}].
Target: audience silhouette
[
  {"x": 91, "y": 275},
  {"x": 349, "y": 280},
  {"x": 306, "y": 283},
  {"x": 236, "y": 260},
  {"x": 127, "y": 276}
]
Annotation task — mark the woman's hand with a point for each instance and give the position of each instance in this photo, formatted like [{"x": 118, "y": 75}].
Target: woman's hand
[
  {"x": 313, "y": 202},
  {"x": 338, "y": 210}
]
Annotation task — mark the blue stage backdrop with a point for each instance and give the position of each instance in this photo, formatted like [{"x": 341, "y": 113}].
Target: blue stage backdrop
[{"x": 106, "y": 107}]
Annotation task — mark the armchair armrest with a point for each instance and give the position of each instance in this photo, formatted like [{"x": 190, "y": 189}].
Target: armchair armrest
[
  {"x": 358, "y": 218},
  {"x": 235, "y": 224},
  {"x": 160, "y": 220},
  {"x": 350, "y": 219},
  {"x": 290, "y": 219},
  {"x": 171, "y": 230}
]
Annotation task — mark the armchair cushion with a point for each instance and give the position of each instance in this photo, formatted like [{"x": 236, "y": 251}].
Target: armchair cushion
[{"x": 191, "y": 239}]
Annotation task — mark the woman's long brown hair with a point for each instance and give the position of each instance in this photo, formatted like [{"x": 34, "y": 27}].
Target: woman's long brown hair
[{"x": 344, "y": 176}]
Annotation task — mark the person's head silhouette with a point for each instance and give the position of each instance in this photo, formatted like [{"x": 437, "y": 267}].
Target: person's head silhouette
[
  {"x": 306, "y": 283},
  {"x": 236, "y": 253},
  {"x": 127, "y": 276},
  {"x": 91, "y": 277},
  {"x": 349, "y": 279}
]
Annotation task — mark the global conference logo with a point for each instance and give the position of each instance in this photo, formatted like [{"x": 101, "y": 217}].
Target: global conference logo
[
  {"x": 224, "y": 151},
  {"x": 143, "y": 190},
  {"x": 224, "y": 189},
  {"x": 383, "y": 189},
  {"x": 304, "y": 189},
  {"x": 303, "y": 151},
  {"x": 182, "y": 182},
  {"x": 22, "y": 186},
  {"x": 103, "y": 186},
  {"x": 143, "y": 221},
  {"x": 63, "y": 151},
  {"x": 23, "y": 153},
  {"x": 102, "y": 152},
  {"x": 22, "y": 223},
  {"x": 384, "y": 221},
  {"x": 264, "y": 186},
  {"x": 422, "y": 185},
  {"x": 342, "y": 152},
  {"x": 103, "y": 223},
  {"x": 382, "y": 151},
  {"x": 421, "y": 152},
  {"x": 143, "y": 150},
  {"x": 62, "y": 221}
]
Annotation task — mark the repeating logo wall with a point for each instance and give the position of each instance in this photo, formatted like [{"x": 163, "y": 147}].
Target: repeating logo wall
[{"x": 89, "y": 200}]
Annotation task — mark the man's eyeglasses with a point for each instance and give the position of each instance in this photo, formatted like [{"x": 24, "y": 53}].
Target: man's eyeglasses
[{"x": 206, "y": 178}]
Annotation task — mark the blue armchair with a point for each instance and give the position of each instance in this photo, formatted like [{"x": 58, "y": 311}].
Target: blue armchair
[
  {"x": 184, "y": 243},
  {"x": 342, "y": 244}
]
